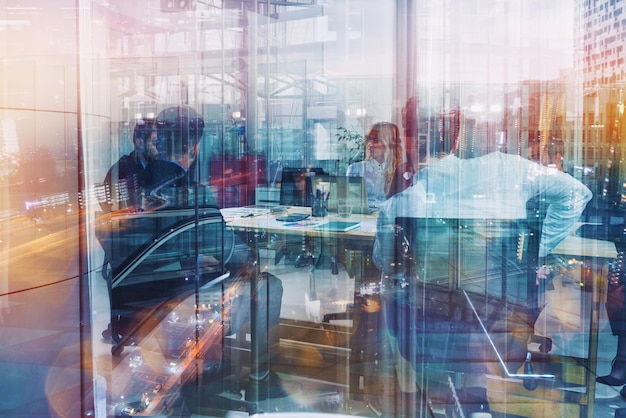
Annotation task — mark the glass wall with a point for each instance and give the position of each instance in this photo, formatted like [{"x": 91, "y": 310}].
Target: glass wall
[{"x": 224, "y": 207}]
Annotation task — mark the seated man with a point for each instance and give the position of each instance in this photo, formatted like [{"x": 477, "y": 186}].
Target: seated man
[
  {"x": 126, "y": 178},
  {"x": 123, "y": 184},
  {"x": 180, "y": 130},
  {"x": 171, "y": 179},
  {"x": 493, "y": 186}
]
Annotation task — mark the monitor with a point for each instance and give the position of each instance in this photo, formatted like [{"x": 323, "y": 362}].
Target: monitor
[{"x": 296, "y": 185}]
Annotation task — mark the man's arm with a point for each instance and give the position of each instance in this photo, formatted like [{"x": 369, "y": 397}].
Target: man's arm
[
  {"x": 384, "y": 244},
  {"x": 401, "y": 205},
  {"x": 566, "y": 198}
]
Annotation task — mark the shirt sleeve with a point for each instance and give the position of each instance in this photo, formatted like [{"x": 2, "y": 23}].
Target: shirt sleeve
[{"x": 355, "y": 170}]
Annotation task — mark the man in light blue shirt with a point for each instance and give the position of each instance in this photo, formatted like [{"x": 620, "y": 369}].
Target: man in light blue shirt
[{"x": 493, "y": 186}]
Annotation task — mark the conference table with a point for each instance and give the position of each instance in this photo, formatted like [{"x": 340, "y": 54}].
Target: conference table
[
  {"x": 585, "y": 250},
  {"x": 258, "y": 219},
  {"x": 261, "y": 221},
  {"x": 308, "y": 235}
]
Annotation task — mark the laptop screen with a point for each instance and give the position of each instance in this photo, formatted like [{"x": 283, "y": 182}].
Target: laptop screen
[{"x": 297, "y": 186}]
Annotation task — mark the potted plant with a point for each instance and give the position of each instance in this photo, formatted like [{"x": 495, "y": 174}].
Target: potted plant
[{"x": 351, "y": 147}]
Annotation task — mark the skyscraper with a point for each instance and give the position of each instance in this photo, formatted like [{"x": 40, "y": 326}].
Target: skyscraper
[{"x": 602, "y": 31}]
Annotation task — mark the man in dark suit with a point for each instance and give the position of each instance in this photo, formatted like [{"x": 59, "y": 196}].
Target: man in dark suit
[
  {"x": 176, "y": 173},
  {"x": 127, "y": 176}
]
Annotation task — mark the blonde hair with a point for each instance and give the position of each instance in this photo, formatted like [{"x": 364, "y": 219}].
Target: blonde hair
[{"x": 394, "y": 153}]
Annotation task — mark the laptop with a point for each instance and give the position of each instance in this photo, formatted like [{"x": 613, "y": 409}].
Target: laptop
[
  {"x": 296, "y": 186},
  {"x": 352, "y": 188}
]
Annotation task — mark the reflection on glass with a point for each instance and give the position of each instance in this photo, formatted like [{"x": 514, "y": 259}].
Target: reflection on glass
[{"x": 280, "y": 86}]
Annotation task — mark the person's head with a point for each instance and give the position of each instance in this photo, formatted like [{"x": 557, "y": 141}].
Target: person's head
[
  {"x": 145, "y": 140},
  {"x": 180, "y": 129},
  {"x": 383, "y": 144}
]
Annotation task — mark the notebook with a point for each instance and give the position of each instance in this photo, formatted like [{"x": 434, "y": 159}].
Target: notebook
[{"x": 337, "y": 226}]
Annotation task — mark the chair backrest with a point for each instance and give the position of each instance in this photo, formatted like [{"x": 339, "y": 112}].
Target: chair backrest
[
  {"x": 490, "y": 257},
  {"x": 296, "y": 185}
]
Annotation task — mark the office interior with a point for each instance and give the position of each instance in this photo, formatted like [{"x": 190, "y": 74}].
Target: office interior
[{"x": 286, "y": 87}]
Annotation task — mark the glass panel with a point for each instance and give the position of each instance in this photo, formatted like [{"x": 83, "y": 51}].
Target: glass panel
[
  {"x": 289, "y": 95},
  {"x": 41, "y": 286},
  {"x": 224, "y": 207}
]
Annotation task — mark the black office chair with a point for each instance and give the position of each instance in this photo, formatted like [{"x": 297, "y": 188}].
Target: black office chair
[
  {"x": 156, "y": 280},
  {"x": 460, "y": 295}
]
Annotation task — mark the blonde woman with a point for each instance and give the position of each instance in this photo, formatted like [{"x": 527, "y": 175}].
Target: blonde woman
[{"x": 385, "y": 167}]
